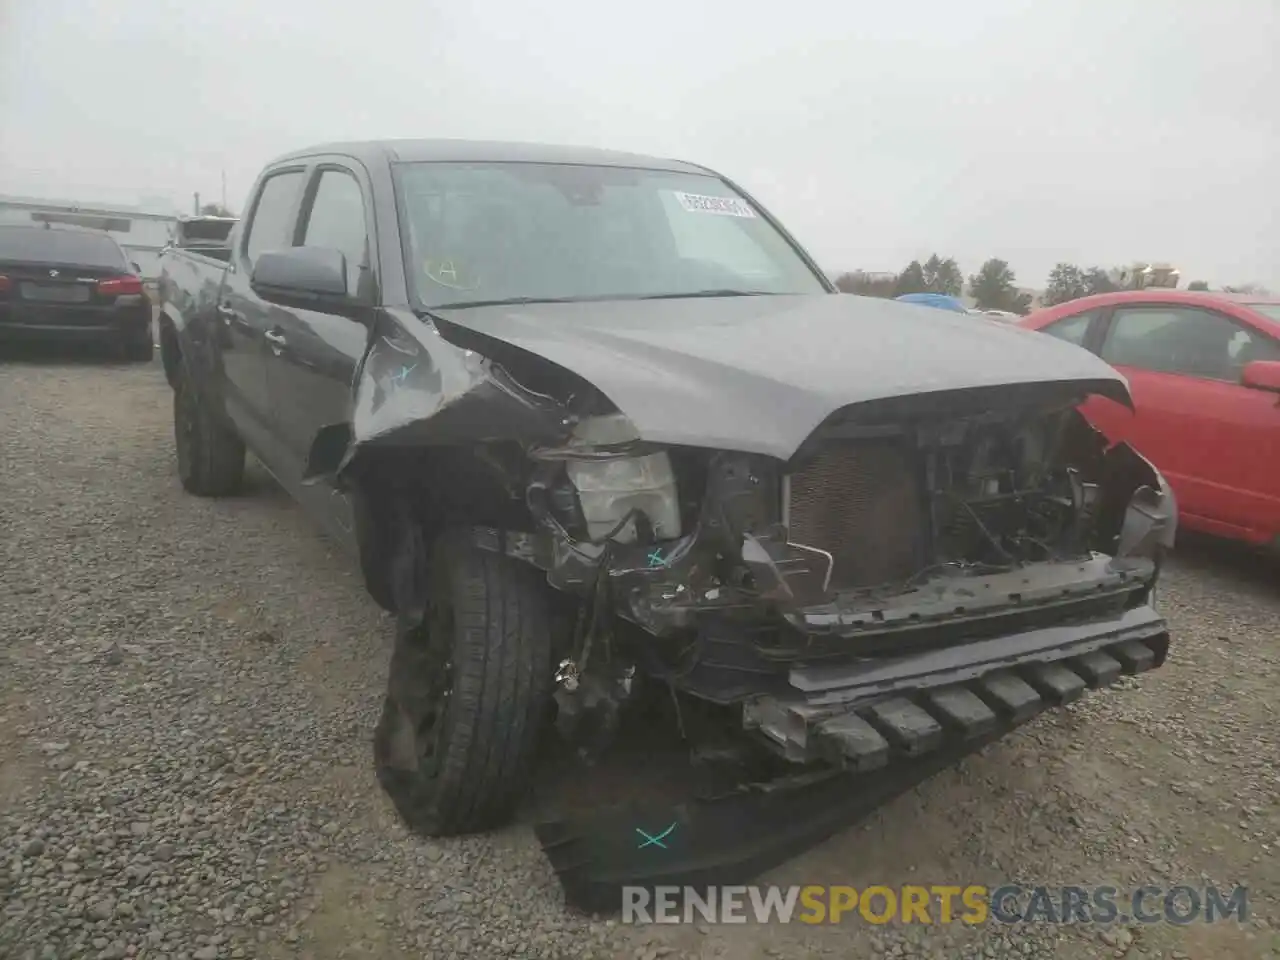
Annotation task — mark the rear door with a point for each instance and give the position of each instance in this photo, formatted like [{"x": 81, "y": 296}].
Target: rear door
[
  {"x": 314, "y": 355},
  {"x": 244, "y": 319},
  {"x": 1213, "y": 438}
]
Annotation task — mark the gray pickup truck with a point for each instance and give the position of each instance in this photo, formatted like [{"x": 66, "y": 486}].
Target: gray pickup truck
[{"x": 597, "y": 429}]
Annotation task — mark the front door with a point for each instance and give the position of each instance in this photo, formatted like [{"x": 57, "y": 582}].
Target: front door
[
  {"x": 1206, "y": 432},
  {"x": 314, "y": 355},
  {"x": 243, "y": 319}
]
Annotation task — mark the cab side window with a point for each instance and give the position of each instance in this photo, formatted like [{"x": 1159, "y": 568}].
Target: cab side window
[
  {"x": 271, "y": 226},
  {"x": 1072, "y": 329},
  {"x": 1186, "y": 341},
  {"x": 337, "y": 221}
]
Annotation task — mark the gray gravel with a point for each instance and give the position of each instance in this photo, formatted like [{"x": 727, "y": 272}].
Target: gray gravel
[{"x": 188, "y": 689}]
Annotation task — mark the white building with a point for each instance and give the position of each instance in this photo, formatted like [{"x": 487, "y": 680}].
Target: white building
[
  {"x": 1139, "y": 276},
  {"x": 142, "y": 231}
]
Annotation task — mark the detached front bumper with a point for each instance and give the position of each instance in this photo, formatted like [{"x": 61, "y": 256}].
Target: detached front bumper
[
  {"x": 884, "y": 728},
  {"x": 860, "y": 715}
]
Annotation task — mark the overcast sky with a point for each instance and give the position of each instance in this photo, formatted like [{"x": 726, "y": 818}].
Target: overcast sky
[{"x": 1092, "y": 131}]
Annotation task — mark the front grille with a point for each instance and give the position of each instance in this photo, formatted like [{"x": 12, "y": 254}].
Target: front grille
[{"x": 861, "y": 502}]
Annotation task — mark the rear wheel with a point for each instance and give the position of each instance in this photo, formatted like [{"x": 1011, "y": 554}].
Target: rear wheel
[
  {"x": 210, "y": 455},
  {"x": 467, "y": 693}
]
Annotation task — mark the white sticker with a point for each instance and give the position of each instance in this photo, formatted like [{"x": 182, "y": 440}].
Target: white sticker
[{"x": 725, "y": 206}]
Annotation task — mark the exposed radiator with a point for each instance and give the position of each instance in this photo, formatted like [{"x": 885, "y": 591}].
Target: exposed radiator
[{"x": 861, "y": 502}]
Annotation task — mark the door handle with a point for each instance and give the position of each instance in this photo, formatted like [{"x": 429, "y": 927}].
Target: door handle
[
  {"x": 277, "y": 341},
  {"x": 226, "y": 312}
]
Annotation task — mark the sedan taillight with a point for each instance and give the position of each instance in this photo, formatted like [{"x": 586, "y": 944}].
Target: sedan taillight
[
  {"x": 120, "y": 285},
  {"x": 5, "y": 283}
]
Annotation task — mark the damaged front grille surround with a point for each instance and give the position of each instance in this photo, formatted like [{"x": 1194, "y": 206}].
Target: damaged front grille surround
[
  {"x": 892, "y": 503},
  {"x": 746, "y": 546},
  {"x": 852, "y": 494}
]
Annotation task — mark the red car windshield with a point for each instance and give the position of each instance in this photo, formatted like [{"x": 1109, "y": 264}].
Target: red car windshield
[{"x": 1269, "y": 310}]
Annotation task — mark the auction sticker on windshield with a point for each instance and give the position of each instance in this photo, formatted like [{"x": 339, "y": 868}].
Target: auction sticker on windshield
[{"x": 725, "y": 206}]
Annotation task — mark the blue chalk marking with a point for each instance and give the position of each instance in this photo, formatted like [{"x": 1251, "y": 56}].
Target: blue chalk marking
[
  {"x": 656, "y": 841},
  {"x": 404, "y": 372}
]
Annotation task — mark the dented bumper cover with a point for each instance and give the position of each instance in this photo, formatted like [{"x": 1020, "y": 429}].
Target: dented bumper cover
[
  {"x": 877, "y": 751},
  {"x": 857, "y": 714}
]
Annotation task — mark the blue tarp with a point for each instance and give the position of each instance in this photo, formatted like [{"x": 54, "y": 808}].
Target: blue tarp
[{"x": 939, "y": 300}]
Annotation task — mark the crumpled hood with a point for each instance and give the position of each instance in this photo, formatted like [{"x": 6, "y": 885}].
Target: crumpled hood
[{"x": 759, "y": 374}]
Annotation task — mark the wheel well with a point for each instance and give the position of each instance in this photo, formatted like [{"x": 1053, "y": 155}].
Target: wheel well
[
  {"x": 405, "y": 496},
  {"x": 170, "y": 351}
]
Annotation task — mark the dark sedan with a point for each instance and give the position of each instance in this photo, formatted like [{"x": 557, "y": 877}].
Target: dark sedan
[{"x": 61, "y": 283}]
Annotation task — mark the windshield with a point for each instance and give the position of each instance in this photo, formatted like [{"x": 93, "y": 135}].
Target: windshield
[
  {"x": 70, "y": 247},
  {"x": 483, "y": 232},
  {"x": 1271, "y": 310}
]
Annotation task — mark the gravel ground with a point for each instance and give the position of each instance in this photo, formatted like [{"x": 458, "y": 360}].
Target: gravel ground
[{"x": 188, "y": 689}]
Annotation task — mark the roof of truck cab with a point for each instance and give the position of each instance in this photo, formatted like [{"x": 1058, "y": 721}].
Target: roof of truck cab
[{"x": 488, "y": 151}]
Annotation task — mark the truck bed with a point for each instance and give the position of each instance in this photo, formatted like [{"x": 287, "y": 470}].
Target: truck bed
[{"x": 190, "y": 280}]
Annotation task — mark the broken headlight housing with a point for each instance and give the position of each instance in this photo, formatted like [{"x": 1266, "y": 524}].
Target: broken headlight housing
[
  {"x": 1150, "y": 521},
  {"x": 1148, "y": 528},
  {"x": 614, "y": 493},
  {"x": 619, "y": 488}
]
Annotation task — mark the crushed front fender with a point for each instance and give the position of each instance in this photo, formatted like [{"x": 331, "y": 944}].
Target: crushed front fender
[{"x": 415, "y": 388}]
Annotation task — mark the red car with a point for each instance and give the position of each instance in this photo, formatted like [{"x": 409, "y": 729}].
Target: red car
[{"x": 1204, "y": 371}]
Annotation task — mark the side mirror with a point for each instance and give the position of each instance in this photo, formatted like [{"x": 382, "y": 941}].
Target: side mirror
[
  {"x": 136, "y": 269},
  {"x": 1262, "y": 375},
  {"x": 312, "y": 278}
]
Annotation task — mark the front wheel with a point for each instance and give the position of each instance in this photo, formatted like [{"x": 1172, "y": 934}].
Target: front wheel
[{"x": 467, "y": 693}]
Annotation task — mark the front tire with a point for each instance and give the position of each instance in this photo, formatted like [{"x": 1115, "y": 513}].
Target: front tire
[
  {"x": 210, "y": 455},
  {"x": 467, "y": 693}
]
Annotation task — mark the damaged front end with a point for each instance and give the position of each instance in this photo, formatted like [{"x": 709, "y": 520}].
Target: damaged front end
[
  {"x": 920, "y": 575},
  {"x": 875, "y": 540},
  {"x": 905, "y": 544},
  {"x": 872, "y": 538},
  {"x": 894, "y": 597}
]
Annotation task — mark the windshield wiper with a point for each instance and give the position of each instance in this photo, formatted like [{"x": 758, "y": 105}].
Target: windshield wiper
[
  {"x": 517, "y": 301},
  {"x": 510, "y": 302},
  {"x": 707, "y": 293}
]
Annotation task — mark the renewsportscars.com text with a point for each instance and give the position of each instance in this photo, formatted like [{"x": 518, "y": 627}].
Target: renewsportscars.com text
[{"x": 936, "y": 904}]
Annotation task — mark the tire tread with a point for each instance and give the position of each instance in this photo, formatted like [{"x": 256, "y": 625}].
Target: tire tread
[
  {"x": 502, "y": 682},
  {"x": 218, "y": 457}
]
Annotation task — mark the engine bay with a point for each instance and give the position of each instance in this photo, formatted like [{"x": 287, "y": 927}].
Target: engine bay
[
  {"x": 676, "y": 534},
  {"x": 1004, "y": 494}
]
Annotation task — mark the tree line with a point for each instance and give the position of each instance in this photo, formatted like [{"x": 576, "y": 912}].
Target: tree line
[
  {"x": 1070, "y": 282},
  {"x": 993, "y": 287}
]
